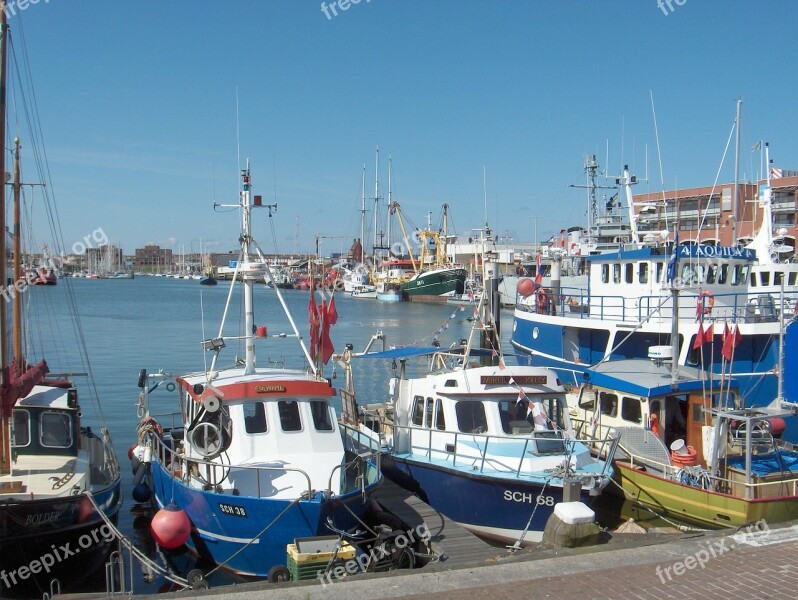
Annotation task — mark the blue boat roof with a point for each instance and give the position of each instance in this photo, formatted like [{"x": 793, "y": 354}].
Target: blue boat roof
[
  {"x": 647, "y": 378},
  {"x": 685, "y": 252}
]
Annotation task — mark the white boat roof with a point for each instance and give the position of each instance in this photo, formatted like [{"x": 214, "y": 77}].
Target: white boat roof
[{"x": 45, "y": 396}]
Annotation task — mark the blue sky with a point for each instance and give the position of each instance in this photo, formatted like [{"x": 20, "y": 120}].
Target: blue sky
[{"x": 138, "y": 108}]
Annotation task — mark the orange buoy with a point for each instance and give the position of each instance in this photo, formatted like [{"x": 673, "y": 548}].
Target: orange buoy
[
  {"x": 526, "y": 287},
  {"x": 653, "y": 423},
  {"x": 170, "y": 526},
  {"x": 261, "y": 331}
]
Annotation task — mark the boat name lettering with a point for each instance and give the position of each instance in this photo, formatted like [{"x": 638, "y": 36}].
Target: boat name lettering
[
  {"x": 528, "y": 498},
  {"x": 703, "y": 251},
  {"x": 266, "y": 389},
  {"x": 233, "y": 510},
  {"x": 42, "y": 518},
  {"x": 519, "y": 379}
]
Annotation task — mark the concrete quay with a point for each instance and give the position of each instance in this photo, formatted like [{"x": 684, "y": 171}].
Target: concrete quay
[{"x": 716, "y": 565}]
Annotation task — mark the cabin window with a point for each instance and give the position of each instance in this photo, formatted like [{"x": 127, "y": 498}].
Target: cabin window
[
  {"x": 255, "y": 418},
  {"x": 289, "y": 415},
  {"x": 471, "y": 416},
  {"x": 764, "y": 278},
  {"x": 554, "y": 410},
  {"x": 642, "y": 272},
  {"x": 631, "y": 411},
  {"x": 549, "y": 442},
  {"x": 440, "y": 421},
  {"x": 701, "y": 273},
  {"x": 513, "y": 415},
  {"x": 723, "y": 277},
  {"x": 21, "y": 428},
  {"x": 605, "y": 273},
  {"x": 778, "y": 277},
  {"x": 739, "y": 275},
  {"x": 688, "y": 274},
  {"x": 428, "y": 413},
  {"x": 791, "y": 278},
  {"x": 608, "y": 404},
  {"x": 587, "y": 399},
  {"x": 630, "y": 269},
  {"x": 418, "y": 411},
  {"x": 712, "y": 273},
  {"x": 660, "y": 270},
  {"x": 616, "y": 273},
  {"x": 55, "y": 430},
  {"x": 320, "y": 411},
  {"x": 754, "y": 279}
]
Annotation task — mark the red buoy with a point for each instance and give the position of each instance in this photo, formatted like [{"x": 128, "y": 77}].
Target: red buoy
[
  {"x": 170, "y": 526},
  {"x": 526, "y": 287},
  {"x": 131, "y": 450},
  {"x": 261, "y": 331},
  {"x": 777, "y": 426}
]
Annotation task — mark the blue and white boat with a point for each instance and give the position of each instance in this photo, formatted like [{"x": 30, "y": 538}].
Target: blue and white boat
[
  {"x": 255, "y": 458},
  {"x": 627, "y": 309},
  {"x": 491, "y": 447}
]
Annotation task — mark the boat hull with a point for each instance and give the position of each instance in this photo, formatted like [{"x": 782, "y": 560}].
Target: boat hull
[
  {"x": 704, "y": 508},
  {"x": 436, "y": 285},
  {"x": 493, "y": 508},
  {"x": 66, "y": 534},
  {"x": 224, "y": 525}
]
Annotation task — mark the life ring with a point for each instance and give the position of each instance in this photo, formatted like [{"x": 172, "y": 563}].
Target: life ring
[
  {"x": 542, "y": 301},
  {"x": 706, "y": 301}
]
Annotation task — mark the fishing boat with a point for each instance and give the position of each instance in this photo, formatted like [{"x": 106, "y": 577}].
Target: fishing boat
[
  {"x": 689, "y": 448},
  {"x": 59, "y": 479},
  {"x": 207, "y": 280},
  {"x": 489, "y": 445},
  {"x": 436, "y": 276},
  {"x": 255, "y": 458},
  {"x": 628, "y": 308},
  {"x": 364, "y": 291}
]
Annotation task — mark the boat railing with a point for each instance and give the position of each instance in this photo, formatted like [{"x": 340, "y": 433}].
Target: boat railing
[
  {"x": 745, "y": 306},
  {"x": 544, "y": 443},
  {"x": 366, "y": 462},
  {"x": 180, "y": 466}
]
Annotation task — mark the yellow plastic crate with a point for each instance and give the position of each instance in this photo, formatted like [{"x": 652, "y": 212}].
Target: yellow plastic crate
[{"x": 307, "y": 556}]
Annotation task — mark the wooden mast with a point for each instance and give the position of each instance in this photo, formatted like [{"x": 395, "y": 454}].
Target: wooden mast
[
  {"x": 5, "y": 429},
  {"x": 18, "y": 360}
]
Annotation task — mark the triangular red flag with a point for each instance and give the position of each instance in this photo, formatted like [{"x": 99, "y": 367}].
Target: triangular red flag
[
  {"x": 325, "y": 343},
  {"x": 709, "y": 334},
  {"x": 728, "y": 344},
  {"x": 313, "y": 319},
  {"x": 699, "y": 337},
  {"x": 332, "y": 313}
]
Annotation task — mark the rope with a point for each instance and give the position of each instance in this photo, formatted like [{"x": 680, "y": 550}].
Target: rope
[
  {"x": 164, "y": 572},
  {"x": 520, "y": 540},
  {"x": 250, "y": 542},
  {"x": 684, "y": 528}
]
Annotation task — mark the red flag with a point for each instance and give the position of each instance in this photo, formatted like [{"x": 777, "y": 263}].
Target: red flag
[
  {"x": 709, "y": 333},
  {"x": 731, "y": 341},
  {"x": 699, "y": 337},
  {"x": 332, "y": 314},
  {"x": 325, "y": 343},
  {"x": 313, "y": 319}
]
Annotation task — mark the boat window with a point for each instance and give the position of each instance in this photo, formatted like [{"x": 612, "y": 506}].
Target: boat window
[
  {"x": 791, "y": 278},
  {"x": 428, "y": 413},
  {"x": 21, "y": 428},
  {"x": 616, "y": 273},
  {"x": 289, "y": 415},
  {"x": 418, "y": 411},
  {"x": 554, "y": 410},
  {"x": 764, "y": 278},
  {"x": 712, "y": 273},
  {"x": 513, "y": 416},
  {"x": 440, "y": 421},
  {"x": 701, "y": 273},
  {"x": 630, "y": 269},
  {"x": 642, "y": 272},
  {"x": 320, "y": 411},
  {"x": 605, "y": 273},
  {"x": 55, "y": 430},
  {"x": 688, "y": 274},
  {"x": 630, "y": 410},
  {"x": 255, "y": 418},
  {"x": 778, "y": 277},
  {"x": 609, "y": 404},
  {"x": 723, "y": 277},
  {"x": 470, "y": 416},
  {"x": 753, "y": 279},
  {"x": 587, "y": 399},
  {"x": 549, "y": 442},
  {"x": 660, "y": 269},
  {"x": 739, "y": 275}
]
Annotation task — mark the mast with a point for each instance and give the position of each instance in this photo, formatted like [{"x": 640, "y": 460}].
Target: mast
[
  {"x": 443, "y": 252},
  {"x": 5, "y": 431},
  {"x": 390, "y": 203},
  {"x": 376, "y": 245},
  {"x": 363, "y": 214},
  {"x": 246, "y": 240},
  {"x": 736, "y": 191},
  {"x": 17, "y": 314}
]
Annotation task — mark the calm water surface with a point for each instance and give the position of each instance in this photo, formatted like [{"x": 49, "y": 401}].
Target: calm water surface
[{"x": 158, "y": 323}]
